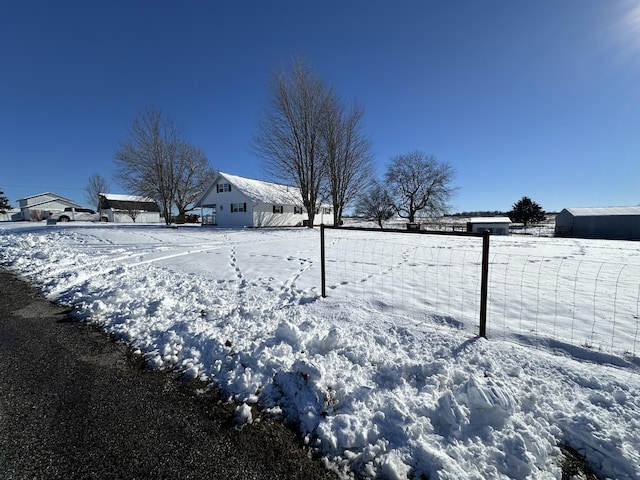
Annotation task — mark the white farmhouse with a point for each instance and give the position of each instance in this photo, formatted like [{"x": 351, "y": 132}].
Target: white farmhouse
[{"x": 233, "y": 201}]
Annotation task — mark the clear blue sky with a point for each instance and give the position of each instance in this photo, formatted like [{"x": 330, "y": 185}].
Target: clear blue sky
[{"x": 538, "y": 98}]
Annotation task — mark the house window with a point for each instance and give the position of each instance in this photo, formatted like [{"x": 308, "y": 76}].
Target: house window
[
  {"x": 278, "y": 209},
  {"x": 297, "y": 210},
  {"x": 223, "y": 187},
  {"x": 238, "y": 207}
]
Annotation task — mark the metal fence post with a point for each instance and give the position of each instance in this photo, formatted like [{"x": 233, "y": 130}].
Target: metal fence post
[
  {"x": 322, "y": 270},
  {"x": 484, "y": 287}
]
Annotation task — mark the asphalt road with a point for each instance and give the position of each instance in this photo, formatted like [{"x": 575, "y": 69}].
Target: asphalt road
[{"x": 76, "y": 405}]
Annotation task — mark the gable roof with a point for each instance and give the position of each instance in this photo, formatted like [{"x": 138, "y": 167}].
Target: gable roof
[
  {"x": 258, "y": 191},
  {"x": 128, "y": 202},
  {"x": 603, "y": 211},
  {"x": 52, "y": 198}
]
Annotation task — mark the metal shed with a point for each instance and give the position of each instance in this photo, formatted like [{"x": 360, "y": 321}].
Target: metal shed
[{"x": 614, "y": 223}]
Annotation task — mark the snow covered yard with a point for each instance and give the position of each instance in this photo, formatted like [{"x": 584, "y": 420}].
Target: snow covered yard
[{"x": 377, "y": 388}]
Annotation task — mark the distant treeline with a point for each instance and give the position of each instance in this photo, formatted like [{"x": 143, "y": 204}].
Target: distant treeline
[{"x": 481, "y": 213}]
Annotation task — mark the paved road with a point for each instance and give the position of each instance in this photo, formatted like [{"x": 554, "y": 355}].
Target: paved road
[{"x": 75, "y": 405}]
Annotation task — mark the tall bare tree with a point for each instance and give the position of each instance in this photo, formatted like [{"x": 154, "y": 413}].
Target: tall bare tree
[
  {"x": 419, "y": 183},
  {"x": 96, "y": 185},
  {"x": 288, "y": 136},
  {"x": 348, "y": 155},
  {"x": 154, "y": 162}
]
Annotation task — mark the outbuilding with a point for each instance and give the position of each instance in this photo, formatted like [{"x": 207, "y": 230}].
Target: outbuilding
[
  {"x": 38, "y": 207},
  {"x": 129, "y": 208},
  {"x": 494, "y": 225},
  {"x": 614, "y": 223},
  {"x": 234, "y": 201}
]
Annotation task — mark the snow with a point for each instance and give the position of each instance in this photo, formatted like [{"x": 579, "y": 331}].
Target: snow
[
  {"x": 126, "y": 198},
  {"x": 387, "y": 381}
]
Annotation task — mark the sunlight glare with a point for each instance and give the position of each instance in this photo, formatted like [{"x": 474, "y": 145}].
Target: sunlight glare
[{"x": 629, "y": 25}]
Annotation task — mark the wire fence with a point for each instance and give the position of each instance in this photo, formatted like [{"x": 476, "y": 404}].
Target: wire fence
[
  {"x": 579, "y": 302},
  {"x": 437, "y": 280}
]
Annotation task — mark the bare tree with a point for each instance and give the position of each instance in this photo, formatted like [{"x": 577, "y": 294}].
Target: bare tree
[
  {"x": 288, "y": 136},
  {"x": 375, "y": 204},
  {"x": 155, "y": 162},
  {"x": 132, "y": 212},
  {"x": 96, "y": 186},
  {"x": 144, "y": 161},
  {"x": 193, "y": 175},
  {"x": 419, "y": 183},
  {"x": 348, "y": 155}
]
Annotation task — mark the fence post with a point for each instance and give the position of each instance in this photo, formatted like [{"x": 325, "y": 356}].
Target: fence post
[
  {"x": 322, "y": 270},
  {"x": 484, "y": 287}
]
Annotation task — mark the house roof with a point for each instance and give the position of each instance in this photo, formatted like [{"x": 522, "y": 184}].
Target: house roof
[
  {"x": 260, "y": 191},
  {"x": 603, "y": 211}
]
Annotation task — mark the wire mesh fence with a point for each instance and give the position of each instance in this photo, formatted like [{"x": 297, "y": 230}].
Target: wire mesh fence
[
  {"x": 579, "y": 302},
  {"x": 421, "y": 277},
  {"x": 532, "y": 298}
]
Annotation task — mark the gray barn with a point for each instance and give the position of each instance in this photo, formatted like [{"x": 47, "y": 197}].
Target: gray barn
[{"x": 614, "y": 223}]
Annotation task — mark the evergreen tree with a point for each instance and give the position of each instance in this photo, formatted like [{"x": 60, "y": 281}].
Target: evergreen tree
[
  {"x": 4, "y": 203},
  {"x": 526, "y": 211}
]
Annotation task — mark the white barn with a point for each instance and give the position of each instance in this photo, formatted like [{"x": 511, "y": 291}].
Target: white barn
[
  {"x": 129, "y": 208},
  {"x": 613, "y": 223},
  {"x": 233, "y": 201}
]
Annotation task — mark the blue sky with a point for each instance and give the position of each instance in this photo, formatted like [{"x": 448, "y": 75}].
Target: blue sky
[{"x": 538, "y": 98}]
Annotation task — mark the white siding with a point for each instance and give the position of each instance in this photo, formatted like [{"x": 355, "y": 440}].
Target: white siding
[
  {"x": 263, "y": 216},
  {"x": 123, "y": 217},
  {"x": 223, "y": 201}
]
